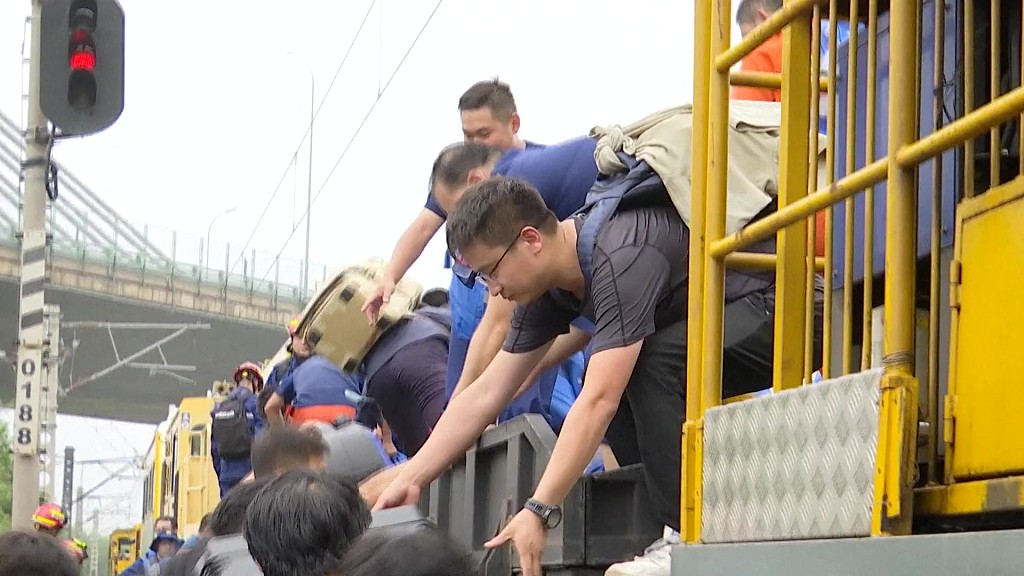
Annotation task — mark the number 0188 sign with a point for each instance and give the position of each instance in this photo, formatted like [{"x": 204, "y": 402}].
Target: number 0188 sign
[{"x": 27, "y": 402}]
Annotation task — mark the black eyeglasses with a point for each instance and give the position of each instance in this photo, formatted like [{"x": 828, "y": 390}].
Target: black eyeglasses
[{"x": 468, "y": 276}]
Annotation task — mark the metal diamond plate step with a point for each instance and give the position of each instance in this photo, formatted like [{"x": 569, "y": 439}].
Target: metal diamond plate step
[{"x": 794, "y": 465}]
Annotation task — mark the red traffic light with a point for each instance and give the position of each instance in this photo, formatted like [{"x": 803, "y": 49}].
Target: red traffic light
[{"x": 83, "y": 60}]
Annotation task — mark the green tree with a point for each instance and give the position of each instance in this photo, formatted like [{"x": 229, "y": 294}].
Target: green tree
[{"x": 6, "y": 479}]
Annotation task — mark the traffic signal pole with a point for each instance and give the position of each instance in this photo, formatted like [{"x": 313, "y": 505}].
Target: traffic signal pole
[{"x": 25, "y": 435}]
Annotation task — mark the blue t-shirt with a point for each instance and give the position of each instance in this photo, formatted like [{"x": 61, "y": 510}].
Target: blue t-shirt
[
  {"x": 563, "y": 173},
  {"x": 432, "y": 205},
  {"x": 318, "y": 382}
]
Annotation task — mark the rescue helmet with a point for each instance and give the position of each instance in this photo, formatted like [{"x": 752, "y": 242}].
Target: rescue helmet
[
  {"x": 77, "y": 548},
  {"x": 249, "y": 370},
  {"x": 49, "y": 516},
  {"x": 293, "y": 326}
]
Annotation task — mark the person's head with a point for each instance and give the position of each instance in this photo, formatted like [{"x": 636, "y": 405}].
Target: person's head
[
  {"x": 229, "y": 516},
  {"x": 304, "y": 522},
  {"x": 410, "y": 552},
  {"x": 204, "y": 525},
  {"x": 458, "y": 167},
  {"x": 750, "y": 13},
  {"x": 49, "y": 518},
  {"x": 283, "y": 448},
  {"x": 78, "y": 549},
  {"x": 298, "y": 345},
  {"x": 248, "y": 376},
  {"x": 165, "y": 544},
  {"x": 489, "y": 115},
  {"x": 34, "y": 554},
  {"x": 501, "y": 228},
  {"x": 165, "y": 524}
]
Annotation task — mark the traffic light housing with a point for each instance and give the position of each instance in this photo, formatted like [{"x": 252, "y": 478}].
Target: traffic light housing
[{"x": 82, "y": 64}]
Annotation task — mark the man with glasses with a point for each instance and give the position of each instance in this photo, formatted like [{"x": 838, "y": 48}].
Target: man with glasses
[
  {"x": 563, "y": 173},
  {"x": 634, "y": 290}
]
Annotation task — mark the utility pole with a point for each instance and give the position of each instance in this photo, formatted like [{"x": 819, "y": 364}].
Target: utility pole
[
  {"x": 25, "y": 489},
  {"x": 51, "y": 382},
  {"x": 67, "y": 494},
  {"x": 97, "y": 544},
  {"x": 309, "y": 184},
  {"x": 77, "y": 77},
  {"x": 79, "y": 510}
]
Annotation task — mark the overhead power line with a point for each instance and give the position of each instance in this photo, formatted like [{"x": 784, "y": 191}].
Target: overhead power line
[
  {"x": 295, "y": 155},
  {"x": 355, "y": 135}
]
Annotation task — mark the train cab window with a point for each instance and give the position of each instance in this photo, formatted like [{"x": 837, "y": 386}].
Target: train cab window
[{"x": 198, "y": 440}]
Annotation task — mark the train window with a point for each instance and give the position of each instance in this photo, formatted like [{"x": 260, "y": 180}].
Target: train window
[{"x": 198, "y": 446}]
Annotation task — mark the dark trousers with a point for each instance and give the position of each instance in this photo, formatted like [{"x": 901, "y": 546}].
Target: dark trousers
[{"x": 648, "y": 425}]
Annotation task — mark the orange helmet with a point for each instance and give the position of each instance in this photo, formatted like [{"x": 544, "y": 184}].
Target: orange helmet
[
  {"x": 50, "y": 516},
  {"x": 293, "y": 326},
  {"x": 249, "y": 370}
]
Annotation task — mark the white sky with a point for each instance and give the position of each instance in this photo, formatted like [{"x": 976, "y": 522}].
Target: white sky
[
  {"x": 119, "y": 500},
  {"x": 217, "y": 97}
]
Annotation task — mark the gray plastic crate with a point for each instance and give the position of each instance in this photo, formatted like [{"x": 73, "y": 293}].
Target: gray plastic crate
[{"x": 606, "y": 518}]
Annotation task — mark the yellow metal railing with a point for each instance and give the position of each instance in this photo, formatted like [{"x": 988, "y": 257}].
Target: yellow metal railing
[{"x": 799, "y": 199}]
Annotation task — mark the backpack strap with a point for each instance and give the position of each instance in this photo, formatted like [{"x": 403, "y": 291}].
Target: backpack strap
[{"x": 601, "y": 203}]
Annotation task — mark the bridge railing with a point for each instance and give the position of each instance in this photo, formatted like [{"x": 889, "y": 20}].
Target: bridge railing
[
  {"x": 189, "y": 258},
  {"x": 85, "y": 228}
]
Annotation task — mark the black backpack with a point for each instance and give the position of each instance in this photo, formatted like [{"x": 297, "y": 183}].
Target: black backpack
[{"x": 231, "y": 433}]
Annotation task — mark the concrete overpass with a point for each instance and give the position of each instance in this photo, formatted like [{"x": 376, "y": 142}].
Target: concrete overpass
[{"x": 103, "y": 270}]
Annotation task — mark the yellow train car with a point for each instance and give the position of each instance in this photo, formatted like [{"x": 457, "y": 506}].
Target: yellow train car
[
  {"x": 124, "y": 548},
  {"x": 180, "y": 480}
]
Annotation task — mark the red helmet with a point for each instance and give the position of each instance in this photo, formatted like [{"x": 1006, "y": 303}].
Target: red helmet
[
  {"x": 77, "y": 548},
  {"x": 50, "y": 516},
  {"x": 249, "y": 370}
]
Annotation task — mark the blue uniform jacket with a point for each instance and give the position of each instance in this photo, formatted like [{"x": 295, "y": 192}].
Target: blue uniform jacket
[{"x": 233, "y": 469}]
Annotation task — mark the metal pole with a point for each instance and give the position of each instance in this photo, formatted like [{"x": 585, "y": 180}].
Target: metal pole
[
  {"x": 25, "y": 488},
  {"x": 94, "y": 566},
  {"x": 51, "y": 364},
  {"x": 209, "y": 230},
  {"x": 79, "y": 510},
  {"x": 309, "y": 183}
]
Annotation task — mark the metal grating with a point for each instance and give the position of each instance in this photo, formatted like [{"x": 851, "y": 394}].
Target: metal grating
[{"x": 794, "y": 465}]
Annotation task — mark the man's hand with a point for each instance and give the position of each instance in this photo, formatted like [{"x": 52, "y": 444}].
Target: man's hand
[
  {"x": 380, "y": 297},
  {"x": 400, "y": 492},
  {"x": 527, "y": 533}
]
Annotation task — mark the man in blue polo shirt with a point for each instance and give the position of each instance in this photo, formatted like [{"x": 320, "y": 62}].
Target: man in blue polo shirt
[
  {"x": 563, "y": 174},
  {"x": 488, "y": 115}
]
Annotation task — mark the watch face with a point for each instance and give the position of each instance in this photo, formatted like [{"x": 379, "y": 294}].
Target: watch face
[{"x": 554, "y": 518}]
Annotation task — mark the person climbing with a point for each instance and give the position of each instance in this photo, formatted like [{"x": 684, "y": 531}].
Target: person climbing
[{"x": 236, "y": 422}]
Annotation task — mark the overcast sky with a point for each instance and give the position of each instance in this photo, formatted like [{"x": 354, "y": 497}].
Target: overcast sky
[{"x": 217, "y": 99}]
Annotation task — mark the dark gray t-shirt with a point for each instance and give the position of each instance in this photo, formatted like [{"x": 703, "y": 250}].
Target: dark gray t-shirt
[{"x": 640, "y": 284}]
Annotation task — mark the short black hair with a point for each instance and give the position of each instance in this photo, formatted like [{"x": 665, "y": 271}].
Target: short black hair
[
  {"x": 492, "y": 94},
  {"x": 284, "y": 447},
  {"x": 165, "y": 518},
  {"x": 494, "y": 211},
  {"x": 453, "y": 165},
  {"x": 423, "y": 551},
  {"x": 304, "y": 522},
  {"x": 204, "y": 523},
  {"x": 229, "y": 516},
  {"x": 746, "y": 12},
  {"x": 24, "y": 553}
]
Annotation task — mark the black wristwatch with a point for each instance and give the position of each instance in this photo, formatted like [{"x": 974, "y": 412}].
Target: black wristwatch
[{"x": 551, "y": 516}]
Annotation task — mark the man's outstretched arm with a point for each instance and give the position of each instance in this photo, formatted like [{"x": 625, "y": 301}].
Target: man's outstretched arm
[
  {"x": 467, "y": 416},
  {"x": 407, "y": 250}
]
